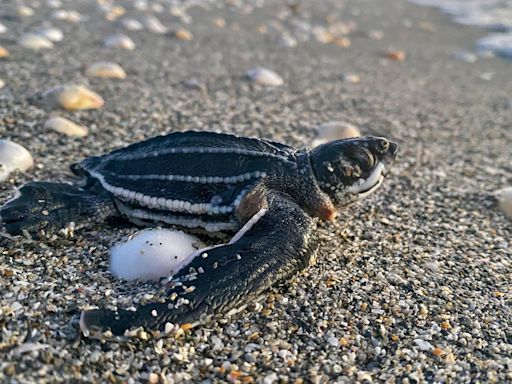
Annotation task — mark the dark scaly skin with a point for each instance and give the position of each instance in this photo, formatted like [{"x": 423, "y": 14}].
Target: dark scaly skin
[{"x": 278, "y": 246}]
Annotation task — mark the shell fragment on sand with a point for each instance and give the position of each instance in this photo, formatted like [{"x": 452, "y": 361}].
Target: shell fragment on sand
[
  {"x": 334, "y": 130},
  {"x": 504, "y": 197},
  {"x": 264, "y": 76},
  {"x": 183, "y": 34},
  {"x": 119, "y": 41},
  {"x": 13, "y": 156},
  {"x": 66, "y": 127},
  {"x": 105, "y": 69},
  {"x": 50, "y": 33},
  {"x": 3, "y": 52},
  {"x": 152, "y": 254},
  {"x": 72, "y": 97},
  {"x": 34, "y": 41},
  {"x": 132, "y": 24},
  {"x": 154, "y": 25},
  {"x": 3, "y": 28}
]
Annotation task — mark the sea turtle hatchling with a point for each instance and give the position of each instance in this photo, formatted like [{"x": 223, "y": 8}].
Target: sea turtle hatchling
[{"x": 266, "y": 192}]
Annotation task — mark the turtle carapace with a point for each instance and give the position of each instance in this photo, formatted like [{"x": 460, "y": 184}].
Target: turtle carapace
[{"x": 269, "y": 194}]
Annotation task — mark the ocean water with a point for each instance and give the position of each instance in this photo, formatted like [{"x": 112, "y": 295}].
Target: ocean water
[{"x": 493, "y": 15}]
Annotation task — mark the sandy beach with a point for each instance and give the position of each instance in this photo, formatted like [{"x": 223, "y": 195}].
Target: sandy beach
[{"x": 412, "y": 285}]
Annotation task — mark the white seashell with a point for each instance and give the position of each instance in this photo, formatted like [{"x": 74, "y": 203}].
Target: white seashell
[
  {"x": 13, "y": 156},
  {"x": 2, "y": 83},
  {"x": 106, "y": 69},
  {"x": 152, "y": 254},
  {"x": 50, "y": 33},
  {"x": 54, "y": 3},
  {"x": 334, "y": 130},
  {"x": 132, "y": 24},
  {"x": 34, "y": 41},
  {"x": 154, "y": 25},
  {"x": 264, "y": 76},
  {"x": 66, "y": 127},
  {"x": 72, "y": 97},
  {"x": 3, "y": 28},
  {"x": 25, "y": 11},
  {"x": 504, "y": 197},
  {"x": 119, "y": 41}
]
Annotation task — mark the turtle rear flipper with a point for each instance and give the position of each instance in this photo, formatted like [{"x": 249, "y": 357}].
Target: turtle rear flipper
[
  {"x": 278, "y": 241},
  {"x": 49, "y": 207}
]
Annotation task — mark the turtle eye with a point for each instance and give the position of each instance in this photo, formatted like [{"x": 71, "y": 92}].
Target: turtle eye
[{"x": 383, "y": 145}]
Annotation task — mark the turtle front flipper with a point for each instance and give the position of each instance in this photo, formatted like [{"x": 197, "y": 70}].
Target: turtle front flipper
[
  {"x": 277, "y": 242},
  {"x": 48, "y": 207}
]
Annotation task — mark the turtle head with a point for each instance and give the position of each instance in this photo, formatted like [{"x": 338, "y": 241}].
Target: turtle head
[{"x": 350, "y": 169}]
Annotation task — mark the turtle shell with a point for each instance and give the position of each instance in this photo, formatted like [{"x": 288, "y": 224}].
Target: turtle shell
[{"x": 192, "y": 179}]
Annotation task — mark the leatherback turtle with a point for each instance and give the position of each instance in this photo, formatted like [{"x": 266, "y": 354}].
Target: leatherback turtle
[{"x": 269, "y": 193}]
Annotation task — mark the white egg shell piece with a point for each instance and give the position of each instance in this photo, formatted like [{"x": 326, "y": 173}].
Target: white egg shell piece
[
  {"x": 152, "y": 254},
  {"x": 13, "y": 156}
]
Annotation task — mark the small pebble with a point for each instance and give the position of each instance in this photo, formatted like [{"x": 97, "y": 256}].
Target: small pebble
[
  {"x": 13, "y": 156},
  {"x": 183, "y": 34},
  {"x": 334, "y": 130},
  {"x": 264, "y": 76},
  {"x": 119, "y": 40},
  {"x": 105, "y": 69},
  {"x": 2, "y": 83},
  {"x": 72, "y": 97},
  {"x": 3, "y": 28},
  {"x": 66, "y": 127},
  {"x": 504, "y": 197},
  {"x": 34, "y": 41}
]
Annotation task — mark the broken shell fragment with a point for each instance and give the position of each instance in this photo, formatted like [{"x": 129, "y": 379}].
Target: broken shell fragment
[
  {"x": 154, "y": 25},
  {"x": 3, "y": 52},
  {"x": 72, "y": 97},
  {"x": 66, "y": 127},
  {"x": 34, "y": 41},
  {"x": 504, "y": 197},
  {"x": 183, "y": 34},
  {"x": 132, "y": 24},
  {"x": 334, "y": 130},
  {"x": 105, "y": 69},
  {"x": 13, "y": 156},
  {"x": 264, "y": 76},
  {"x": 395, "y": 55},
  {"x": 50, "y": 33},
  {"x": 119, "y": 41}
]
